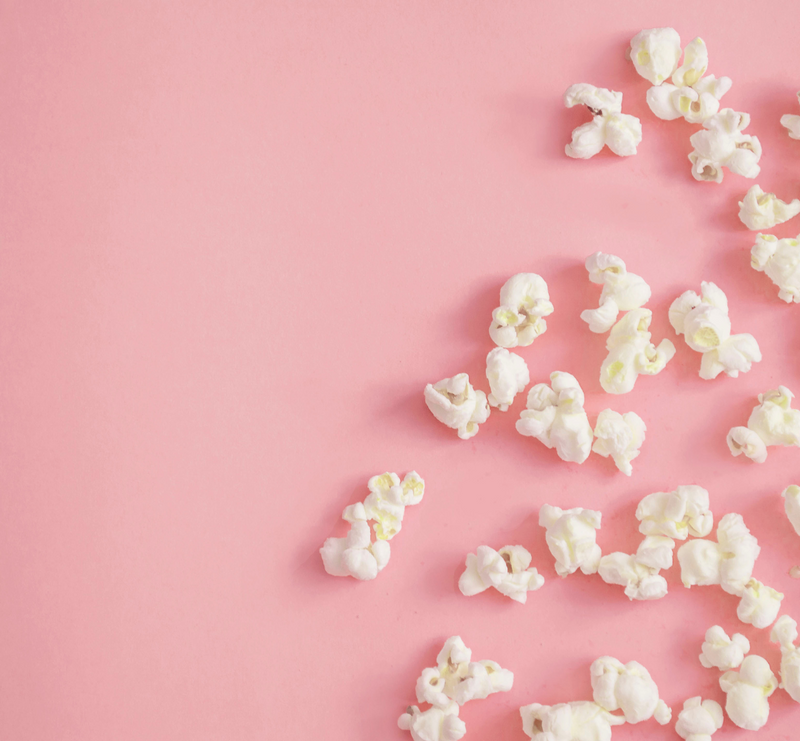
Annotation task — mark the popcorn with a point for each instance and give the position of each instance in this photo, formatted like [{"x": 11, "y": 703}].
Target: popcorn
[
  {"x": 772, "y": 422},
  {"x": 695, "y": 64},
  {"x": 519, "y": 320},
  {"x": 722, "y": 144},
  {"x": 759, "y": 605},
  {"x": 554, "y": 415},
  {"x": 456, "y": 404},
  {"x": 747, "y": 690},
  {"x": 356, "y": 555},
  {"x": 631, "y": 353},
  {"x": 729, "y": 562},
  {"x": 434, "y": 724},
  {"x": 705, "y": 325},
  {"x": 760, "y": 210},
  {"x": 785, "y": 633},
  {"x": 792, "y": 123},
  {"x": 723, "y": 652},
  {"x": 676, "y": 514},
  {"x": 639, "y": 573},
  {"x": 508, "y": 375},
  {"x": 780, "y": 260},
  {"x": 622, "y": 291},
  {"x": 655, "y": 53},
  {"x": 627, "y": 687},
  {"x": 699, "y": 719},
  {"x": 572, "y": 538},
  {"x": 507, "y": 570},
  {"x": 609, "y": 127},
  {"x": 619, "y": 436},
  {"x": 791, "y": 496},
  {"x": 694, "y": 104},
  {"x": 568, "y": 721}
]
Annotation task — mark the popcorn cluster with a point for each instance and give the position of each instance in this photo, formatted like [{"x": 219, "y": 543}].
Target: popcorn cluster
[
  {"x": 792, "y": 123},
  {"x": 780, "y": 260},
  {"x": 357, "y": 554},
  {"x": 759, "y": 210},
  {"x": 454, "y": 681},
  {"x": 616, "y": 688},
  {"x": 772, "y": 422},
  {"x": 508, "y": 570},
  {"x": 609, "y": 127},
  {"x": 705, "y": 325}
]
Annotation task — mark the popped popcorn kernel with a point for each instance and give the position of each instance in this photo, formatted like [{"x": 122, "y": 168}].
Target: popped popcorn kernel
[
  {"x": 759, "y": 210},
  {"x": 507, "y": 570},
  {"x": 748, "y": 690},
  {"x": 456, "y": 404},
  {"x": 519, "y": 320},
  {"x": 699, "y": 719},
  {"x": 571, "y": 536},
  {"x": 721, "y": 651},
  {"x": 780, "y": 260},
  {"x": 619, "y": 436},
  {"x": 609, "y": 127}
]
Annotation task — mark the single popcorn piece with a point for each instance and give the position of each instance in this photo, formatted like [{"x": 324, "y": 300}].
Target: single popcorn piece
[
  {"x": 695, "y": 64},
  {"x": 555, "y": 416},
  {"x": 619, "y": 436},
  {"x": 772, "y": 422},
  {"x": 676, "y": 514},
  {"x": 759, "y": 605},
  {"x": 630, "y": 353},
  {"x": 639, "y": 573},
  {"x": 784, "y": 632},
  {"x": 655, "y": 53},
  {"x": 723, "y": 652},
  {"x": 729, "y": 562},
  {"x": 722, "y": 144},
  {"x": 622, "y": 291},
  {"x": 572, "y": 538},
  {"x": 455, "y": 403},
  {"x": 629, "y": 688},
  {"x": 507, "y": 374},
  {"x": 705, "y": 325},
  {"x": 434, "y": 724},
  {"x": 748, "y": 690},
  {"x": 508, "y": 570},
  {"x": 609, "y": 127},
  {"x": 791, "y": 496},
  {"x": 388, "y": 499},
  {"x": 694, "y": 104},
  {"x": 699, "y": 720},
  {"x": 792, "y": 123},
  {"x": 519, "y": 320},
  {"x": 759, "y": 210},
  {"x": 780, "y": 260},
  {"x": 585, "y": 721},
  {"x": 355, "y": 555}
]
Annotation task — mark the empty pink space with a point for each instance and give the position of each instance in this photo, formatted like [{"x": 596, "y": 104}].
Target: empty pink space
[{"x": 236, "y": 241}]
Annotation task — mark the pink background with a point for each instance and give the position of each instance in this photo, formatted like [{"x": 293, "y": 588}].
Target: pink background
[{"x": 237, "y": 240}]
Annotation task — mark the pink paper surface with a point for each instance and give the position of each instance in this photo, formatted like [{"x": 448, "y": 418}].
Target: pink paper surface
[{"x": 237, "y": 241}]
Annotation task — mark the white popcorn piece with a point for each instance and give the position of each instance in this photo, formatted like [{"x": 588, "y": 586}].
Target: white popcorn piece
[
  {"x": 609, "y": 127},
  {"x": 791, "y": 496},
  {"x": 508, "y": 570},
  {"x": 622, "y": 291},
  {"x": 722, "y": 144},
  {"x": 572, "y": 538},
  {"x": 772, "y": 422},
  {"x": 723, "y": 652},
  {"x": 355, "y": 555},
  {"x": 639, "y": 573},
  {"x": 676, "y": 514},
  {"x": 456, "y": 404},
  {"x": 759, "y": 210},
  {"x": 759, "y": 605},
  {"x": 705, "y": 325},
  {"x": 507, "y": 374},
  {"x": 695, "y": 64},
  {"x": 729, "y": 562},
  {"x": 434, "y": 724},
  {"x": 555, "y": 416},
  {"x": 694, "y": 104},
  {"x": 619, "y": 436},
  {"x": 748, "y": 690},
  {"x": 792, "y": 123},
  {"x": 655, "y": 53},
  {"x": 519, "y": 320},
  {"x": 699, "y": 720},
  {"x": 780, "y": 260},
  {"x": 631, "y": 353},
  {"x": 568, "y": 721},
  {"x": 784, "y": 632},
  {"x": 629, "y": 688}
]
